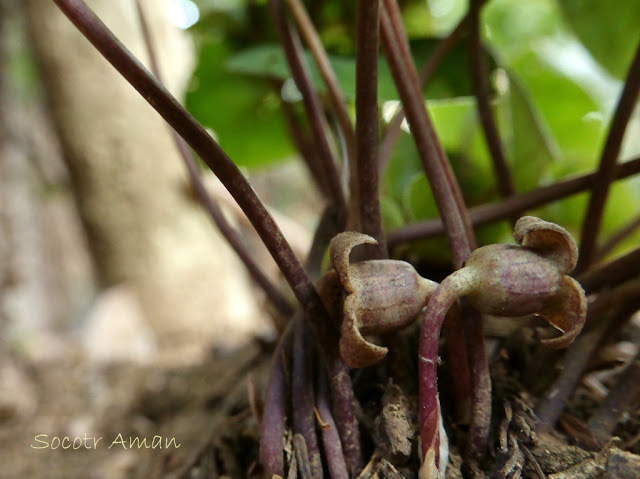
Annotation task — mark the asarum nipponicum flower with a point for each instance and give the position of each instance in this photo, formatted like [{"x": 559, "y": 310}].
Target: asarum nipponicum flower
[
  {"x": 380, "y": 296},
  {"x": 504, "y": 280}
]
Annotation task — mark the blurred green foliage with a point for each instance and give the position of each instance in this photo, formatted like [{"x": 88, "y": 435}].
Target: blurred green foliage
[{"x": 557, "y": 69}]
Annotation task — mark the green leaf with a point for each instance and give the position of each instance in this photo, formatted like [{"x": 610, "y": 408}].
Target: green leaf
[
  {"x": 531, "y": 146},
  {"x": 243, "y": 113},
  {"x": 609, "y": 30},
  {"x": 268, "y": 61},
  {"x": 573, "y": 116},
  {"x": 418, "y": 199},
  {"x": 391, "y": 212}
]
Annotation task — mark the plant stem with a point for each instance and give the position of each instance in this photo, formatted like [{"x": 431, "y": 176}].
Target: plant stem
[
  {"x": 337, "y": 98},
  {"x": 327, "y": 228},
  {"x": 275, "y": 404},
  {"x": 330, "y": 439},
  {"x": 516, "y": 204},
  {"x": 300, "y": 73},
  {"x": 609, "y": 317},
  {"x": 445, "y": 188},
  {"x": 302, "y": 394},
  {"x": 444, "y": 47},
  {"x": 573, "y": 364},
  {"x": 370, "y": 221},
  {"x": 479, "y": 426},
  {"x": 202, "y": 143},
  {"x": 444, "y": 297},
  {"x": 617, "y": 237},
  {"x": 228, "y": 232},
  {"x": 452, "y": 211},
  {"x": 305, "y": 147},
  {"x": 458, "y": 363},
  {"x": 620, "y": 399},
  {"x": 343, "y": 401},
  {"x": 611, "y": 274},
  {"x": 479, "y": 74},
  {"x": 608, "y": 160}
]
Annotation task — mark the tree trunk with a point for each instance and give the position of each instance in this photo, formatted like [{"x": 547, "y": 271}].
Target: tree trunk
[{"x": 144, "y": 231}]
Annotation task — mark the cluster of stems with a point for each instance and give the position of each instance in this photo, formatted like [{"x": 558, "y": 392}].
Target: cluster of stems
[{"x": 377, "y": 295}]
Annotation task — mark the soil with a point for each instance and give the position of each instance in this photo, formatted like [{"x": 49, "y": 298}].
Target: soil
[{"x": 201, "y": 421}]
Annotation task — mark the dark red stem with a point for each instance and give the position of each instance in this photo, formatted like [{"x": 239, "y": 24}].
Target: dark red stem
[
  {"x": 343, "y": 402},
  {"x": 444, "y": 47},
  {"x": 443, "y": 298},
  {"x": 370, "y": 220},
  {"x": 300, "y": 73},
  {"x": 444, "y": 187},
  {"x": 328, "y": 430},
  {"x": 517, "y": 204},
  {"x": 302, "y": 394},
  {"x": 607, "y": 167},
  {"x": 337, "y": 98},
  {"x": 275, "y": 410},
  {"x": 450, "y": 205},
  {"x": 479, "y": 80}
]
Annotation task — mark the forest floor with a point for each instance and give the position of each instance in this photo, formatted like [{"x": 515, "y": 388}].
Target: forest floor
[{"x": 200, "y": 421}]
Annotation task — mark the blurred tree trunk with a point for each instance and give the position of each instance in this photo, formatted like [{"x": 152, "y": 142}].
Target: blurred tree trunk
[
  {"x": 45, "y": 276},
  {"x": 144, "y": 231}
]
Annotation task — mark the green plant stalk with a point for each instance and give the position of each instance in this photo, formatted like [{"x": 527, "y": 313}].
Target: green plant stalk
[{"x": 608, "y": 160}]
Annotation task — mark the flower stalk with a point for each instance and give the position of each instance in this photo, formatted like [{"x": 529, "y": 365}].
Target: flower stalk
[{"x": 502, "y": 280}]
